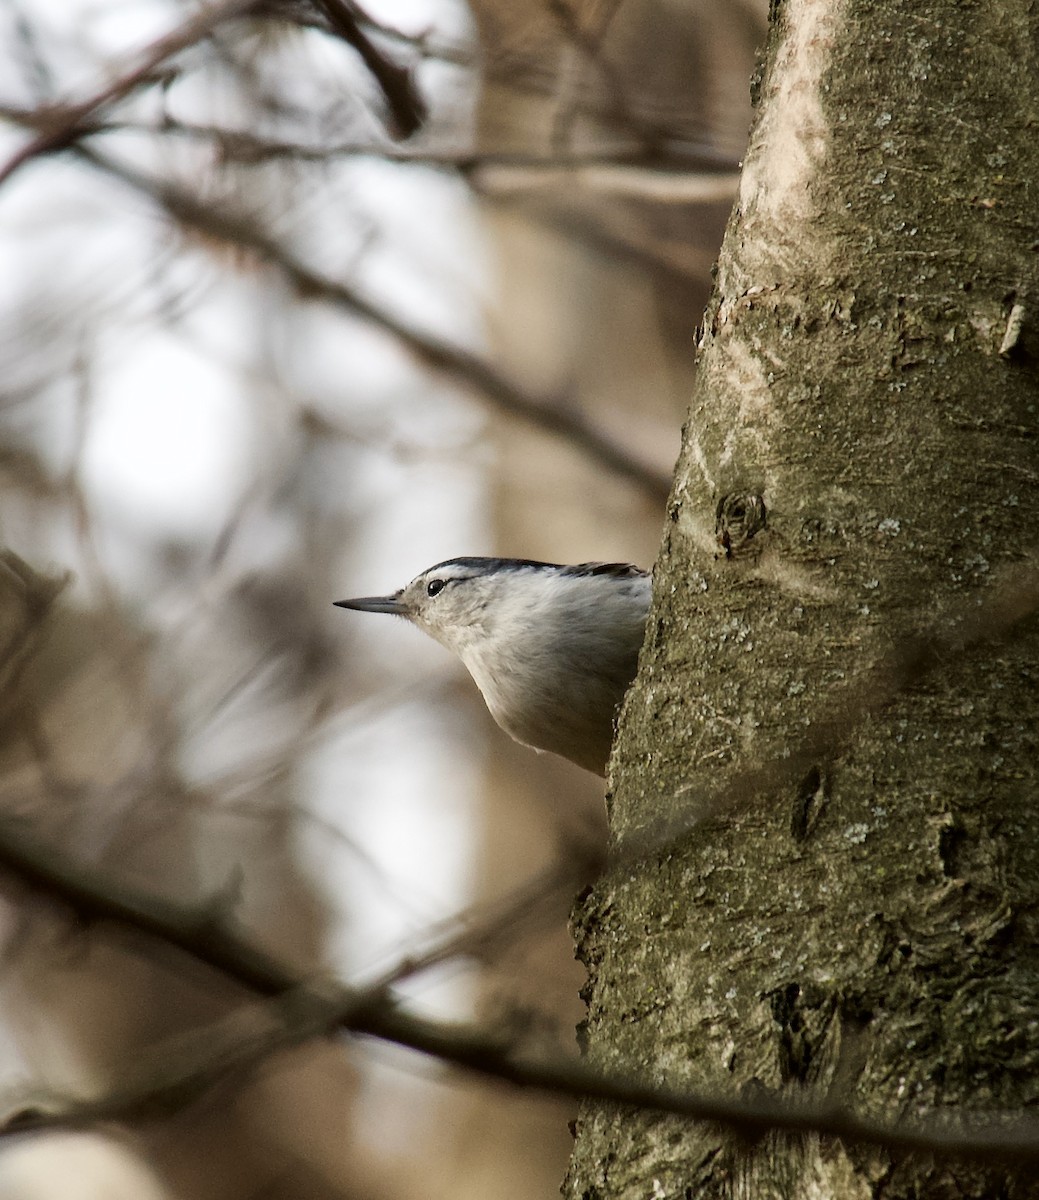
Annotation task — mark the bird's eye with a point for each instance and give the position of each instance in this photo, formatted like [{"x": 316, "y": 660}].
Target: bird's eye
[{"x": 434, "y": 586}]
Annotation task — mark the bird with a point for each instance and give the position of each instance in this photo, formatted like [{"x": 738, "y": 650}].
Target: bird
[{"x": 553, "y": 648}]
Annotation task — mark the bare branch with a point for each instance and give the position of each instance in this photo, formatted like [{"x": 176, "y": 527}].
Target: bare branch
[
  {"x": 312, "y": 1010},
  {"x": 66, "y": 123},
  {"x": 666, "y": 175},
  {"x": 31, "y": 594},
  {"x": 177, "y": 1071},
  {"x": 407, "y": 109},
  {"x": 60, "y": 126},
  {"x": 425, "y": 45},
  {"x": 476, "y": 932},
  {"x": 610, "y": 181}
]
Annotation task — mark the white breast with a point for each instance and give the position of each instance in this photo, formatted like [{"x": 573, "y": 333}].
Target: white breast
[{"x": 558, "y": 659}]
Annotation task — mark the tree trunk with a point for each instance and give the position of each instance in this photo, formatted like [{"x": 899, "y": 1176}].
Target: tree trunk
[{"x": 868, "y": 373}]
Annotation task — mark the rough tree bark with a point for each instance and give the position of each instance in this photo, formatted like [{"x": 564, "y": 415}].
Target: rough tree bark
[{"x": 868, "y": 369}]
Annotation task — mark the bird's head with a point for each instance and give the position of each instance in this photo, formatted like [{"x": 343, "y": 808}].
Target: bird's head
[{"x": 460, "y": 600}]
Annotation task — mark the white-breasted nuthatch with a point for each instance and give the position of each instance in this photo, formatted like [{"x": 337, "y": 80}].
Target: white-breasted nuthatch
[{"x": 552, "y": 648}]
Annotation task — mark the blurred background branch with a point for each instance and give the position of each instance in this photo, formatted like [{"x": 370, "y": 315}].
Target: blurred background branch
[
  {"x": 64, "y": 124},
  {"x": 178, "y": 1071}
]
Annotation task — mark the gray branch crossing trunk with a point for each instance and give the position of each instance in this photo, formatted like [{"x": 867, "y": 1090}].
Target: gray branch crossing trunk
[{"x": 864, "y": 932}]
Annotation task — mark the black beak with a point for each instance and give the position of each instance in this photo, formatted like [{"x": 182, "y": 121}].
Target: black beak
[{"x": 386, "y": 604}]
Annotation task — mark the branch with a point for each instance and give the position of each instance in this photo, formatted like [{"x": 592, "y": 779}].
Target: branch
[
  {"x": 172, "y": 1074},
  {"x": 33, "y": 595},
  {"x": 425, "y": 44},
  {"x": 701, "y": 176},
  {"x": 407, "y": 109},
  {"x": 474, "y": 933},
  {"x": 660, "y": 176},
  {"x": 689, "y": 169},
  {"x": 169, "y": 1076},
  {"x": 308, "y": 1010},
  {"x": 460, "y": 366},
  {"x": 66, "y": 123}
]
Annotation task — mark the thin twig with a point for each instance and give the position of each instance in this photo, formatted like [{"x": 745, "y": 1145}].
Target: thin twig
[
  {"x": 668, "y": 175},
  {"x": 474, "y": 933},
  {"x": 407, "y": 109},
  {"x": 67, "y": 121},
  {"x": 244, "y": 145},
  {"x": 170, "y": 1075},
  {"x": 425, "y": 45}
]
